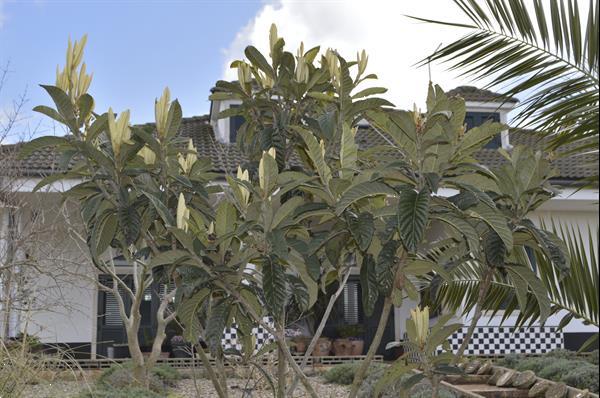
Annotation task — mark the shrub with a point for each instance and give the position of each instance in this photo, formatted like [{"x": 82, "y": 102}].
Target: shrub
[
  {"x": 110, "y": 392},
  {"x": 534, "y": 363},
  {"x": 342, "y": 374},
  {"x": 593, "y": 357},
  {"x": 168, "y": 374},
  {"x": 510, "y": 360},
  {"x": 561, "y": 353},
  {"x": 554, "y": 370},
  {"x": 583, "y": 377},
  {"x": 121, "y": 376},
  {"x": 421, "y": 390}
]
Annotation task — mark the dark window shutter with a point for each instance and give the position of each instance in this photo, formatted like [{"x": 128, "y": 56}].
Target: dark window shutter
[
  {"x": 474, "y": 119},
  {"x": 351, "y": 300},
  {"x": 235, "y": 122}
]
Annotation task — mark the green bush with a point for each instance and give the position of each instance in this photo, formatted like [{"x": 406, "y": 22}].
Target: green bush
[
  {"x": 582, "y": 377},
  {"x": 421, "y": 390},
  {"x": 121, "y": 376},
  {"x": 561, "y": 353},
  {"x": 342, "y": 374},
  {"x": 593, "y": 357},
  {"x": 127, "y": 392},
  {"x": 559, "y": 367},
  {"x": 534, "y": 363},
  {"x": 510, "y": 360},
  {"x": 168, "y": 374}
]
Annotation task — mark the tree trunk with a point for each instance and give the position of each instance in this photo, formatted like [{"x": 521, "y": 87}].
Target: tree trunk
[
  {"x": 360, "y": 374},
  {"x": 319, "y": 330},
  {"x": 220, "y": 389},
  {"x": 483, "y": 290},
  {"x": 137, "y": 358},
  {"x": 281, "y": 373}
]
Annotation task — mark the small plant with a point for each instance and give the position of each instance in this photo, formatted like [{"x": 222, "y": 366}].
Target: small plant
[
  {"x": 510, "y": 360},
  {"x": 561, "y": 353},
  {"x": 593, "y": 357},
  {"x": 535, "y": 364},
  {"x": 582, "y": 377},
  {"x": 121, "y": 376},
  {"x": 557, "y": 368},
  {"x": 177, "y": 339},
  {"x": 422, "y": 353},
  {"x": 341, "y": 374},
  {"x": 168, "y": 374},
  {"x": 126, "y": 392},
  {"x": 356, "y": 331},
  {"x": 32, "y": 342},
  {"x": 392, "y": 390}
]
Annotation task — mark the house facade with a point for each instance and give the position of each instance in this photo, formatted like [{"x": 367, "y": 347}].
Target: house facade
[{"x": 73, "y": 312}]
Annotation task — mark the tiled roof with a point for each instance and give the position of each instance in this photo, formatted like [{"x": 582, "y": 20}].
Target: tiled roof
[
  {"x": 226, "y": 157},
  {"x": 472, "y": 93}
]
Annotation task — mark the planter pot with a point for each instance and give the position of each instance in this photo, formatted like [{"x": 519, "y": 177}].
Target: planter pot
[
  {"x": 300, "y": 344},
  {"x": 180, "y": 350},
  {"x": 322, "y": 348},
  {"x": 357, "y": 346},
  {"x": 342, "y": 347}
]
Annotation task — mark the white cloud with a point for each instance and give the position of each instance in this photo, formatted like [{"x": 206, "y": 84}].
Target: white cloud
[{"x": 393, "y": 41}]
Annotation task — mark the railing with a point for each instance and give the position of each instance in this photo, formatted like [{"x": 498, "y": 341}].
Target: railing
[{"x": 181, "y": 363}]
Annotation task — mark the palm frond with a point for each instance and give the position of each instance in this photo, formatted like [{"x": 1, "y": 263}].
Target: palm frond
[
  {"x": 547, "y": 51},
  {"x": 576, "y": 294}
]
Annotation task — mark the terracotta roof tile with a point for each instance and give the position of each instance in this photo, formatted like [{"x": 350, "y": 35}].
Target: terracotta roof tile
[{"x": 226, "y": 157}]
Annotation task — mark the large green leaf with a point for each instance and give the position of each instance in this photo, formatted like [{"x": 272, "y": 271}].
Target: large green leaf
[
  {"x": 348, "y": 152},
  {"x": 215, "y": 324},
  {"x": 413, "y": 214},
  {"x": 274, "y": 286},
  {"x": 368, "y": 283},
  {"x": 315, "y": 153},
  {"x": 259, "y": 61},
  {"x": 361, "y": 191},
  {"x": 386, "y": 266},
  {"x": 362, "y": 228},
  {"x": 495, "y": 220},
  {"x": 495, "y": 251},
  {"x": 187, "y": 312},
  {"x": 103, "y": 233},
  {"x": 538, "y": 289},
  {"x": 63, "y": 104}
]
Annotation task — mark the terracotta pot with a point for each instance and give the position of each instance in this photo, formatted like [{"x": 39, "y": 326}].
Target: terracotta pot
[
  {"x": 342, "y": 347},
  {"x": 322, "y": 348},
  {"x": 357, "y": 347},
  {"x": 300, "y": 345}
]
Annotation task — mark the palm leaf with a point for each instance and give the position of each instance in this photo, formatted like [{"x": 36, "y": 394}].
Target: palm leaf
[
  {"x": 575, "y": 293},
  {"x": 548, "y": 52}
]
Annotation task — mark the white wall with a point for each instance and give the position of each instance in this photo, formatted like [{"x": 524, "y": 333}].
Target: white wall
[
  {"x": 579, "y": 210},
  {"x": 60, "y": 276}
]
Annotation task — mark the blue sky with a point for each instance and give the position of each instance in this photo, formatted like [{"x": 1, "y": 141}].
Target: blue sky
[{"x": 135, "y": 48}]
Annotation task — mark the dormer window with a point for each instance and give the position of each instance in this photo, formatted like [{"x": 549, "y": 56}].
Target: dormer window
[
  {"x": 225, "y": 129},
  {"x": 483, "y": 105},
  {"x": 474, "y": 119}
]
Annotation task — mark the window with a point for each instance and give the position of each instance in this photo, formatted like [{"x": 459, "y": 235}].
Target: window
[
  {"x": 474, "y": 119},
  {"x": 235, "y": 122},
  {"x": 351, "y": 303}
]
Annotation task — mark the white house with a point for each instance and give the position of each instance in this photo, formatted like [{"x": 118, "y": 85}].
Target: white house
[{"x": 78, "y": 315}]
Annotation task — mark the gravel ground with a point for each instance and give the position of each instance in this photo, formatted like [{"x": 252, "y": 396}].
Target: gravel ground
[{"x": 185, "y": 389}]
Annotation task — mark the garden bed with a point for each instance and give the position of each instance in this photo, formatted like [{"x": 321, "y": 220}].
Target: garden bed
[
  {"x": 567, "y": 376},
  {"x": 183, "y": 389}
]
